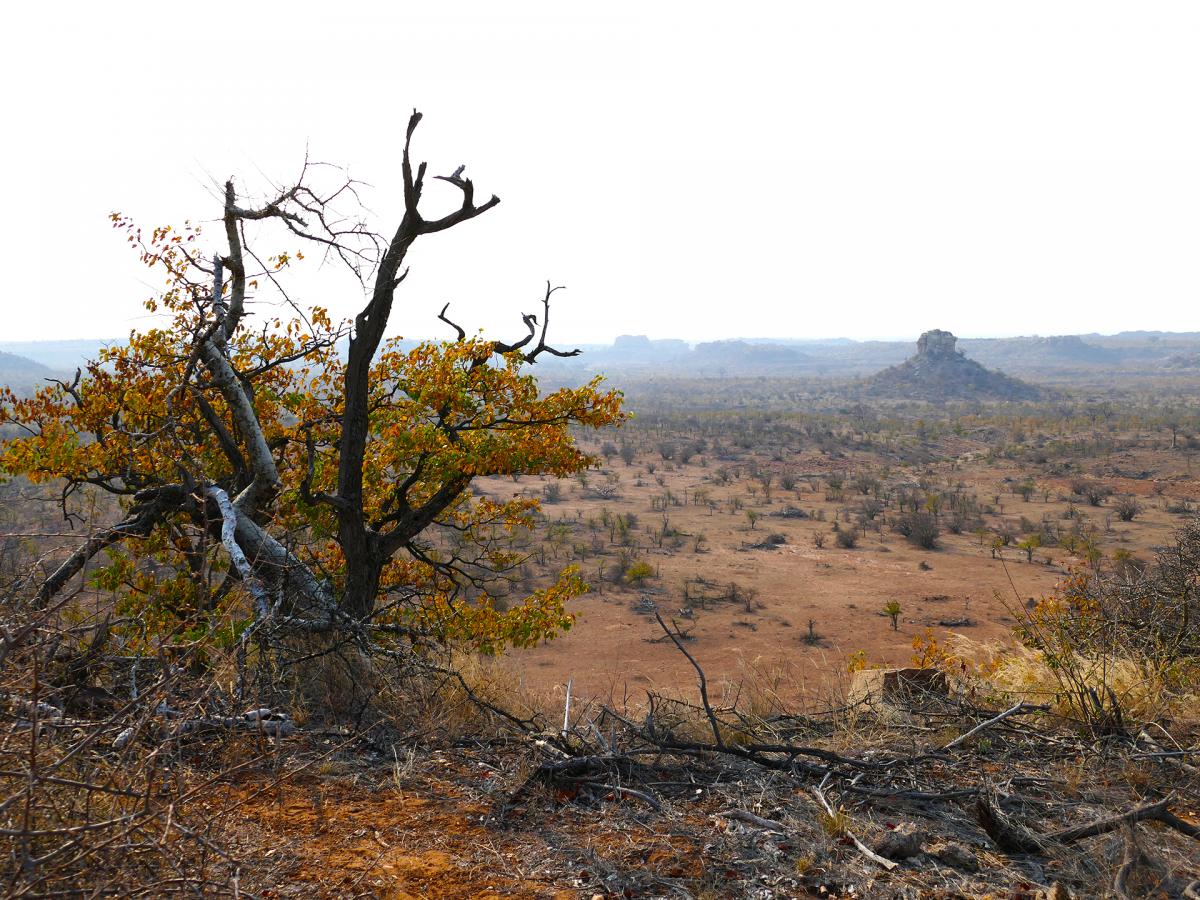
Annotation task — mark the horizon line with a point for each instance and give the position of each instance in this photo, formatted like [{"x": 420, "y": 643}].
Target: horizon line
[{"x": 764, "y": 338}]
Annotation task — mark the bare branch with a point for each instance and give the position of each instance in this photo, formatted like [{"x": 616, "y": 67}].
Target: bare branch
[
  {"x": 708, "y": 710},
  {"x": 862, "y": 848},
  {"x": 531, "y": 322},
  {"x": 1016, "y": 710},
  {"x": 462, "y": 335},
  {"x": 148, "y": 510},
  {"x": 72, "y": 388},
  {"x": 542, "y": 347},
  {"x": 237, "y": 556}
]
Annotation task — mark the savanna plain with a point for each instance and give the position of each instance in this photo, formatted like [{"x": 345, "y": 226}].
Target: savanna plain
[{"x": 764, "y": 558}]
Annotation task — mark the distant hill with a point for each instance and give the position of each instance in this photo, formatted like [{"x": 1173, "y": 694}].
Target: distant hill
[
  {"x": 1063, "y": 351},
  {"x": 22, "y": 374},
  {"x": 940, "y": 371},
  {"x": 1050, "y": 359},
  {"x": 637, "y": 348},
  {"x": 62, "y": 356},
  {"x": 1183, "y": 361},
  {"x": 742, "y": 356}
]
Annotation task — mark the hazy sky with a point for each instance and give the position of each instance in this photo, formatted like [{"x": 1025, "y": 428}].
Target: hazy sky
[{"x": 687, "y": 170}]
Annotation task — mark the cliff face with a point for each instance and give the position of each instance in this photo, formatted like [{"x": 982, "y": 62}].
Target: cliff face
[{"x": 939, "y": 371}]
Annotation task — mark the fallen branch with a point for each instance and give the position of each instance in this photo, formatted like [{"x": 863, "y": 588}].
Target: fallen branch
[
  {"x": 1021, "y": 707},
  {"x": 750, "y": 818},
  {"x": 1157, "y": 811},
  {"x": 574, "y": 770},
  {"x": 649, "y": 799},
  {"x": 1006, "y": 834},
  {"x": 862, "y": 848},
  {"x": 1013, "y": 838}
]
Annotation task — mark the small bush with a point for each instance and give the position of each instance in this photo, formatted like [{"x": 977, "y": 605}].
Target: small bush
[
  {"x": 638, "y": 572},
  {"x": 1127, "y": 508},
  {"x": 920, "y": 529},
  {"x": 846, "y": 538},
  {"x": 812, "y": 638},
  {"x": 1093, "y": 492}
]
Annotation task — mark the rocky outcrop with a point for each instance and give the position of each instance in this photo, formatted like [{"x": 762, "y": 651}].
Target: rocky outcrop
[
  {"x": 895, "y": 686},
  {"x": 940, "y": 371},
  {"x": 936, "y": 343}
]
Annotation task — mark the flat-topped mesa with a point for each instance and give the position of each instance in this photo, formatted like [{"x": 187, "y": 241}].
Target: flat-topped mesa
[{"x": 936, "y": 343}]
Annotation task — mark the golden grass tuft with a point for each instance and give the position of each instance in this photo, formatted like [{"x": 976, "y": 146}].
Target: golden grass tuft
[{"x": 1144, "y": 691}]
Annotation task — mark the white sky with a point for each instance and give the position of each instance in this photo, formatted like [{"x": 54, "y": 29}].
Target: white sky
[{"x": 695, "y": 171}]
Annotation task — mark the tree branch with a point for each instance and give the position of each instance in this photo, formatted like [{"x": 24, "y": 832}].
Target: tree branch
[
  {"x": 364, "y": 553},
  {"x": 149, "y": 508},
  {"x": 229, "y": 518}
]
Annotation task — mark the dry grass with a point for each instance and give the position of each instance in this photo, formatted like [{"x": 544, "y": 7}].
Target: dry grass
[{"x": 1144, "y": 693}]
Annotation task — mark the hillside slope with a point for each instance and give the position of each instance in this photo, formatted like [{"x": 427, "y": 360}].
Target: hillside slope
[{"x": 21, "y": 374}]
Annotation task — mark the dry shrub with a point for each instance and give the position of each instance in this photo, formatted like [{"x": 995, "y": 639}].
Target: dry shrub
[
  {"x": 683, "y": 719},
  {"x": 810, "y": 685},
  {"x": 1073, "y": 683},
  {"x": 99, "y": 800},
  {"x": 1111, "y": 651},
  {"x": 460, "y": 695},
  {"x": 323, "y": 678},
  {"x": 1102, "y": 693},
  {"x": 760, "y": 691},
  {"x": 846, "y": 538},
  {"x": 761, "y": 703}
]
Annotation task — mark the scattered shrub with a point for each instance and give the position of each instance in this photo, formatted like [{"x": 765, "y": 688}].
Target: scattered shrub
[
  {"x": 638, "y": 572},
  {"x": 1127, "y": 508},
  {"x": 920, "y": 528}
]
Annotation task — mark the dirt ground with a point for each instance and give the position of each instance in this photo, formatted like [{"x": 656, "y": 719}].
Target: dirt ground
[
  {"x": 444, "y": 824},
  {"x": 962, "y": 588},
  {"x": 353, "y": 828}
]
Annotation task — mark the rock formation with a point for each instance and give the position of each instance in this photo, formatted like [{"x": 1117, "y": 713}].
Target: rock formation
[
  {"x": 939, "y": 371},
  {"x": 936, "y": 343}
]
